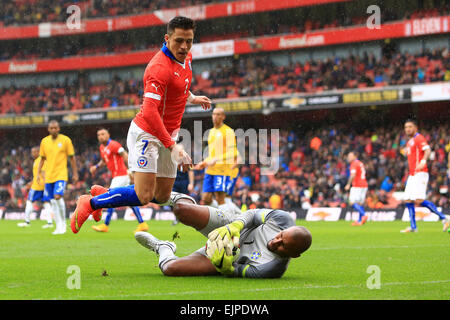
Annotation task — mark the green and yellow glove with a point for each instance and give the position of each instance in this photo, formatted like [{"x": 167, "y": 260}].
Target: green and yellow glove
[
  {"x": 232, "y": 230},
  {"x": 220, "y": 252},
  {"x": 215, "y": 251}
]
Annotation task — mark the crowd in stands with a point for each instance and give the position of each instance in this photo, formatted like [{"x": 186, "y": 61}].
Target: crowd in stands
[
  {"x": 312, "y": 169},
  {"x": 71, "y": 96},
  {"x": 20, "y": 12},
  {"x": 25, "y": 12},
  {"x": 273, "y": 24},
  {"x": 251, "y": 75},
  {"x": 259, "y": 76}
]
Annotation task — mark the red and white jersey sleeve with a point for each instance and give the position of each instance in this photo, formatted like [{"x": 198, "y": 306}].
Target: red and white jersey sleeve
[
  {"x": 112, "y": 158},
  {"x": 166, "y": 89},
  {"x": 416, "y": 147},
  {"x": 357, "y": 168}
]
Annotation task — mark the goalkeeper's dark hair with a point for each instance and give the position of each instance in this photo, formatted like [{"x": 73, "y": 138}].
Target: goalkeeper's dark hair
[{"x": 180, "y": 22}]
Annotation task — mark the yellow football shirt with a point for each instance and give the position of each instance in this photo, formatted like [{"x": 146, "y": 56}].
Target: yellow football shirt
[
  {"x": 35, "y": 185},
  {"x": 56, "y": 152},
  {"x": 234, "y": 172},
  {"x": 221, "y": 146}
]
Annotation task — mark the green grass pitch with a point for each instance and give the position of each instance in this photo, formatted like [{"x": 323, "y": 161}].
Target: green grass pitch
[{"x": 34, "y": 265}]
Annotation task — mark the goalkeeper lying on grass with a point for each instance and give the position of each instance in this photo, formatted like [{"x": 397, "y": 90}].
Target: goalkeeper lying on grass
[{"x": 266, "y": 240}]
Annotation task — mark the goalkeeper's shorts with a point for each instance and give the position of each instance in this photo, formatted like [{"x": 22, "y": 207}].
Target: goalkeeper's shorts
[{"x": 218, "y": 218}]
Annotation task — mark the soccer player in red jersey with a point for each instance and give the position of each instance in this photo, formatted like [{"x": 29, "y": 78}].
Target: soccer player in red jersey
[
  {"x": 357, "y": 184},
  {"x": 153, "y": 153},
  {"x": 418, "y": 151},
  {"x": 114, "y": 156}
]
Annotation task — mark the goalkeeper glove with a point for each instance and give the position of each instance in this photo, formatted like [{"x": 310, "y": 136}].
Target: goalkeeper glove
[
  {"x": 220, "y": 252},
  {"x": 232, "y": 230}
]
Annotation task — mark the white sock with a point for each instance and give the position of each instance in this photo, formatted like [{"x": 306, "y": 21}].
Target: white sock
[
  {"x": 232, "y": 206},
  {"x": 28, "y": 210},
  {"x": 225, "y": 207},
  {"x": 214, "y": 204},
  {"x": 56, "y": 215},
  {"x": 165, "y": 255},
  {"x": 48, "y": 209},
  {"x": 62, "y": 212}
]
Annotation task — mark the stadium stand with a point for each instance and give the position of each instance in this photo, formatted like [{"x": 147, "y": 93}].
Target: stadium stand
[
  {"x": 248, "y": 76},
  {"x": 308, "y": 176},
  {"x": 19, "y": 12},
  {"x": 259, "y": 76},
  {"x": 274, "y": 25}
]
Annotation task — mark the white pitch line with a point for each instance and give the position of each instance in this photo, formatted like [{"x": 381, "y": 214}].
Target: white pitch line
[
  {"x": 382, "y": 247},
  {"x": 338, "y": 286}
]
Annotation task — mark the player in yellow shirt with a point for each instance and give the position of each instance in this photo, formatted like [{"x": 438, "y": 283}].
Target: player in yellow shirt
[
  {"x": 234, "y": 175},
  {"x": 36, "y": 193},
  {"x": 55, "y": 150},
  {"x": 222, "y": 153}
]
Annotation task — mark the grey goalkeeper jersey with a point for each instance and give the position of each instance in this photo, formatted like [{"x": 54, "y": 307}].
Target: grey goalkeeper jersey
[{"x": 255, "y": 259}]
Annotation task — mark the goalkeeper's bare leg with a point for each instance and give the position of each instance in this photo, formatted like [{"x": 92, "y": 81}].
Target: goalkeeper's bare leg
[
  {"x": 190, "y": 214},
  {"x": 195, "y": 264},
  {"x": 204, "y": 219}
]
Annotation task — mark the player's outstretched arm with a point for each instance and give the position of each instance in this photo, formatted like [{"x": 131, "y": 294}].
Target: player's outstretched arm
[
  {"x": 423, "y": 161},
  {"x": 204, "y": 101},
  {"x": 448, "y": 165},
  {"x": 271, "y": 269},
  {"x": 208, "y": 162},
  {"x": 94, "y": 168},
  {"x": 350, "y": 180},
  {"x": 73, "y": 164},
  {"x": 250, "y": 219},
  {"x": 124, "y": 156},
  {"x": 39, "y": 172},
  {"x": 180, "y": 156},
  {"x": 237, "y": 163},
  {"x": 191, "y": 181}
]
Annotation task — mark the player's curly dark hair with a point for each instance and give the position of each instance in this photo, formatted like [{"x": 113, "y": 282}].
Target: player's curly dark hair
[
  {"x": 184, "y": 23},
  {"x": 412, "y": 120}
]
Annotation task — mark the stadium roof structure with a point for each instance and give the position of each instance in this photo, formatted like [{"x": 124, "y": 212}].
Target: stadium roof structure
[{"x": 156, "y": 18}]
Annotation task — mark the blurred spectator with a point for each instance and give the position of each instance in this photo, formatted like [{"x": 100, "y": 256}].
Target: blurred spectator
[
  {"x": 311, "y": 179},
  {"x": 275, "y": 201},
  {"x": 250, "y": 76},
  {"x": 387, "y": 184}
]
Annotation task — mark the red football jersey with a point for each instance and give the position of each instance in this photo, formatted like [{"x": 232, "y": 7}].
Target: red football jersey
[
  {"x": 166, "y": 89},
  {"x": 415, "y": 150},
  {"x": 111, "y": 156},
  {"x": 358, "y": 168}
]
